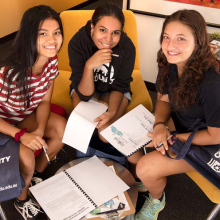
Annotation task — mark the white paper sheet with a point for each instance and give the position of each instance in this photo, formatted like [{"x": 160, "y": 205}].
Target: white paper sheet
[
  {"x": 101, "y": 184},
  {"x": 129, "y": 132},
  {"x": 111, "y": 204},
  {"x": 81, "y": 125},
  {"x": 61, "y": 199}
]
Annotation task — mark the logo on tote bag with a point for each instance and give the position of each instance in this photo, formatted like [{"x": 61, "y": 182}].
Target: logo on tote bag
[
  {"x": 4, "y": 159},
  {"x": 214, "y": 164},
  {"x": 217, "y": 154}
]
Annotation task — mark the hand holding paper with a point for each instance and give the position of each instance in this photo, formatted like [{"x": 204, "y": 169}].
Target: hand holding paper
[
  {"x": 104, "y": 119},
  {"x": 81, "y": 125}
]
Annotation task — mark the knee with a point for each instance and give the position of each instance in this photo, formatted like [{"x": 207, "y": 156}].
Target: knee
[
  {"x": 145, "y": 169},
  {"x": 59, "y": 128},
  {"x": 102, "y": 139},
  {"x": 100, "y": 136},
  {"x": 27, "y": 162}
]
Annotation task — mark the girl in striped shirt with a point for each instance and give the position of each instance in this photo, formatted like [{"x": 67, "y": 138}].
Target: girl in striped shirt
[{"x": 26, "y": 85}]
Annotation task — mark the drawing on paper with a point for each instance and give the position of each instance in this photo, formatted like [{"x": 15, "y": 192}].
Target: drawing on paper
[{"x": 115, "y": 131}]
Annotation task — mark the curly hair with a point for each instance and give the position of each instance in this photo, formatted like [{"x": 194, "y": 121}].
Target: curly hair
[{"x": 185, "y": 91}]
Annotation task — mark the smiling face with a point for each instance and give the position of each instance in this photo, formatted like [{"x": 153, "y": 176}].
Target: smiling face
[
  {"x": 49, "y": 39},
  {"x": 106, "y": 33},
  {"x": 178, "y": 43}
]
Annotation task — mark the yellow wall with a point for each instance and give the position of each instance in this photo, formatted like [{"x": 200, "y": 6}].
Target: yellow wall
[{"x": 12, "y": 11}]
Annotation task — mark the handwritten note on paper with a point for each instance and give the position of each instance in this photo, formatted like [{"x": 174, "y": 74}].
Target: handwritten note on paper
[
  {"x": 129, "y": 133},
  {"x": 81, "y": 125}
]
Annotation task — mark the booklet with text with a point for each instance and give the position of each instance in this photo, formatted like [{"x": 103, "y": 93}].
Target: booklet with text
[
  {"x": 75, "y": 192},
  {"x": 80, "y": 125},
  {"x": 129, "y": 133}
]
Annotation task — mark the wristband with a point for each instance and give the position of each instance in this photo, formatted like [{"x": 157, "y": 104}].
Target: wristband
[
  {"x": 158, "y": 123},
  {"x": 19, "y": 134}
]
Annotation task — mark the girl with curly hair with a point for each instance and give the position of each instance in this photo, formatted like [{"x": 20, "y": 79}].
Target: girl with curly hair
[{"x": 188, "y": 86}]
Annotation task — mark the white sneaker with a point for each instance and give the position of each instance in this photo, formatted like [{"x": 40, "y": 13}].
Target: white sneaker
[{"x": 30, "y": 210}]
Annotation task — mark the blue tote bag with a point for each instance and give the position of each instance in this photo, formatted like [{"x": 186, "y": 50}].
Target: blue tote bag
[
  {"x": 11, "y": 181},
  {"x": 204, "y": 159}
]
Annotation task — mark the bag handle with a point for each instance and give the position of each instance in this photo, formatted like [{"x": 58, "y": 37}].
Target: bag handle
[{"x": 195, "y": 126}]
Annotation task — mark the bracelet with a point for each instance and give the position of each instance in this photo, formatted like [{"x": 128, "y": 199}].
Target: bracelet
[
  {"x": 158, "y": 123},
  {"x": 19, "y": 134}
]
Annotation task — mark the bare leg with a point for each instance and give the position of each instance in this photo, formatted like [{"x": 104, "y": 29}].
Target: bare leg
[
  {"x": 133, "y": 160},
  {"x": 26, "y": 165},
  {"x": 153, "y": 168},
  {"x": 53, "y": 133}
]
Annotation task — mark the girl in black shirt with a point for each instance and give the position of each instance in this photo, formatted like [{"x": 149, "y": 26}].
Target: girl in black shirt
[{"x": 189, "y": 88}]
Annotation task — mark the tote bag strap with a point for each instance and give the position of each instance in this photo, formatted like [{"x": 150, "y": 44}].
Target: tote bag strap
[{"x": 195, "y": 126}]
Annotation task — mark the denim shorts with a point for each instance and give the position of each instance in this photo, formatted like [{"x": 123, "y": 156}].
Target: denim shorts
[{"x": 100, "y": 94}]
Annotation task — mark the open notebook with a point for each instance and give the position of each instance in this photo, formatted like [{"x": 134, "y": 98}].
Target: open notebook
[
  {"x": 78, "y": 190},
  {"x": 113, "y": 204},
  {"x": 129, "y": 133},
  {"x": 81, "y": 125}
]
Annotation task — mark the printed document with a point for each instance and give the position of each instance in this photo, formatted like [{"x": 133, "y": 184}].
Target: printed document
[
  {"x": 129, "y": 133},
  {"x": 75, "y": 192}
]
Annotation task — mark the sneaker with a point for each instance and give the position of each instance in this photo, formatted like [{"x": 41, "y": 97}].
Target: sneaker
[
  {"x": 141, "y": 187},
  {"x": 35, "y": 180},
  {"x": 150, "y": 209},
  {"x": 30, "y": 210}
]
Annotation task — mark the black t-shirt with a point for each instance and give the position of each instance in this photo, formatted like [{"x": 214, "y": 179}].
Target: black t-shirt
[
  {"x": 207, "y": 107},
  {"x": 111, "y": 76}
]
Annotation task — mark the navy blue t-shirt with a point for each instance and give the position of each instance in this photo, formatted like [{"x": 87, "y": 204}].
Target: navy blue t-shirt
[{"x": 207, "y": 106}]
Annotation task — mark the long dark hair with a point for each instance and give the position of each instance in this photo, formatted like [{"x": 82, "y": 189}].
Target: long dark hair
[
  {"x": 186, "y": 87},
  {"x": 23, "y": 53},
  {"x": 108, "y": 9}
]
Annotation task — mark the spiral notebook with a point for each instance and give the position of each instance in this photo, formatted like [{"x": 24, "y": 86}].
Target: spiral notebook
[
  {"x": 129, "y": 133},
  {"x": 78, "y": 190},
  {"x": 114, "y": 202}
]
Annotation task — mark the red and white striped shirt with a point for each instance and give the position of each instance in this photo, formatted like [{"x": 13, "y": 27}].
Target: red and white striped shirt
[{"x": 13, "y": 110}]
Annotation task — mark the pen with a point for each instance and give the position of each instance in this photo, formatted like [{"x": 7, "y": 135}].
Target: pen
[
  {"x": 115, "y": 55},
  {"x": 45, "y": 151},
  {"x": 161, "y": 144},
  {"x": 106, "y": 212}
]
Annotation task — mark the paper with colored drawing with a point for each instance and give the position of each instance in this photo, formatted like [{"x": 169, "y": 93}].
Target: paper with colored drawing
[{"x": 129, "y": 133}]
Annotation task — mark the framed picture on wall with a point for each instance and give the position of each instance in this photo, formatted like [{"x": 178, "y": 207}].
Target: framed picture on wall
[{"x": 210, "y": 9}]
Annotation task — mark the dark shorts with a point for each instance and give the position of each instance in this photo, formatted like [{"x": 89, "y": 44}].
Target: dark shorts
[{"x": 100, "y": 94}]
